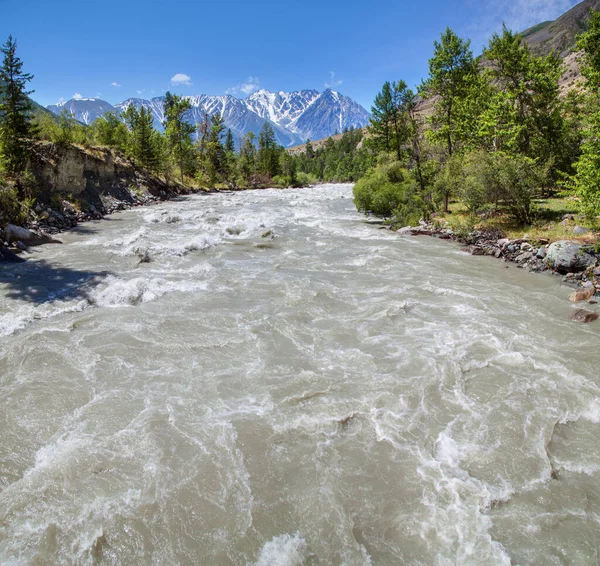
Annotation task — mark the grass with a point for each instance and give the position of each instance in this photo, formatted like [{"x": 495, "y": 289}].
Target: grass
[{"x": 547, "y": 226}]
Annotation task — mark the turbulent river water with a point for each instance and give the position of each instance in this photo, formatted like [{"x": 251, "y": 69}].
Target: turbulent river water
[{"x": 335, "y": 394}]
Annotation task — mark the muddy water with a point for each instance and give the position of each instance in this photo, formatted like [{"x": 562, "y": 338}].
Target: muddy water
[{"x": 334, "y": 394}]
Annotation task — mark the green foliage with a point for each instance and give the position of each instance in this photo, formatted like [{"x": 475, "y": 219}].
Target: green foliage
[
  {"x": 14, "y": 208},
  {"x": 452, "y": 72},
  {"x": 587, "y": 168},
  {"x": 179, "y": 133},
  {"x": 268, "y": 152},
  {"x": 108, "y": 130},
  {"x": 389, "y": 190},
  {"x": 16, "y": 130},
  {"x": 143, "y": 143}
]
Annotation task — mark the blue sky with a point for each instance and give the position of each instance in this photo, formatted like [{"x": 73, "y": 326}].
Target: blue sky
[{"x": 118, "y": 49}]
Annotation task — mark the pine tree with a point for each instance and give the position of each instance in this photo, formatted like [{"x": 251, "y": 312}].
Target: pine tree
[
  {"x": 16, "y": 129},
  {"x": 229, "y": 143},
  {"x": 381, "y": 119},
  {"x": 143, "y": 142},
  {"x": 268, "y": 151},
  {"x": 178, "y": 131},
  {"x": 247, "y": 161},
  {"x": 451, "y": 72},
  {"x": 215, "y": 152}
]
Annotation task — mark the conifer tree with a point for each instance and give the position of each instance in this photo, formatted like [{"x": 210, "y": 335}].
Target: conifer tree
[
  {"x": 381, "y": 119},
  {"x": 178, "y": 131},
  {"x": 451, "y": 72},
  {"x": 247, "y": 161},
  {"x": 16, "y": 128},
  {"x": 229, "y": 143},
  {"x": 268, "y": 151}
]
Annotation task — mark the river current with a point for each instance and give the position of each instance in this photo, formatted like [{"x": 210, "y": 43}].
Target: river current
[{"x": 284, "y": 383}]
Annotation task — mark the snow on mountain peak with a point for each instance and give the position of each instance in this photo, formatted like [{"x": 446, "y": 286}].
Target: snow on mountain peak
[{"x": 294, "y": 116}]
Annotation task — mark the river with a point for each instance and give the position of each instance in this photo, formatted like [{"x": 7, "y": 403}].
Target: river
[{"x": 284, "y": 383}]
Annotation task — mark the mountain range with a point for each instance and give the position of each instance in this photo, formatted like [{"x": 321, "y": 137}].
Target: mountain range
[{"x": 294, "y": 116}]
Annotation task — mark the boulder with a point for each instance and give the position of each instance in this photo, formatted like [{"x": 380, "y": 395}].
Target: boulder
[
  {"x": 582, "y": 294},
  {"x": 16, "y": 233},
  {"x": 7, "y": 255},
  {"x": 580, "y": 230},
  {"x": 582, "y": 315},
  {"x": 568, "y": 257}
]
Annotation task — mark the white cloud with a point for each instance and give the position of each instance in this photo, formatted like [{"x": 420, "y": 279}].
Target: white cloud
[
  {"x": 115, "y": 84},
  {"x": 250, "y": 85},
  {"x": 61, "y": 99},
  {"x": 332, "y": 81},
  {"x": 139, "y": 91},
  {"x": 181, "y": 79},
  {"x": 77, "y": 96}
]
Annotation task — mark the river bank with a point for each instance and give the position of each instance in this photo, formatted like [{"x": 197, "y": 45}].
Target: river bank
[{"x": 578, "y": 264}]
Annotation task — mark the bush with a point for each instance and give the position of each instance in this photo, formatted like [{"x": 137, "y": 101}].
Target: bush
[
  {"x": 390, "y": 191},
  {"x": 12, "y": 208}
]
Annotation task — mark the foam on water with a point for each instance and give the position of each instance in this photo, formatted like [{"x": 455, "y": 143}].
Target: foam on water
[{"x": 330, "y": 393}]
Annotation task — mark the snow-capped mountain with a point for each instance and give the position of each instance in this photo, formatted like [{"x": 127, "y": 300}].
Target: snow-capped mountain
[
  {"x": 85, "y": 110},
  {"x": 294, "y": 116}
]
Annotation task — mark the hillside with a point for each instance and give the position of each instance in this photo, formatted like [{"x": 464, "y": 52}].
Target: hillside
[{"x": 554, "y": 36}]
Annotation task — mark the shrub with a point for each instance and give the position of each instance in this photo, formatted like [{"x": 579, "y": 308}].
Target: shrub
[{"x": 390, "y": 191}]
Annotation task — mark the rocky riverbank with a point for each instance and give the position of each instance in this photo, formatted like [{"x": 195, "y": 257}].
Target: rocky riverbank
[{"x": 578, "y": 264}]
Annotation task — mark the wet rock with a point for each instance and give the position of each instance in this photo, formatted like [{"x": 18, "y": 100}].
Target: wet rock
[
  {"x": 21, "y": 246},
  {"x": 568, "y": 257},
  {"x": 582, "y": 315},
  {"x": 8, "y": 256},
  {"x": 267, "y": 234},
  {"x": 580, "y": 230},
  {"x": 404, "y": 230},
  {"x": 582, "y": 295},
  {"x": 16, "y": 233},
  {"x": 234, "y": 230}
]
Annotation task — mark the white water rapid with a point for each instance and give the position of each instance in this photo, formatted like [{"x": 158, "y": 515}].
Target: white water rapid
[{"x": 333, "y": 395}]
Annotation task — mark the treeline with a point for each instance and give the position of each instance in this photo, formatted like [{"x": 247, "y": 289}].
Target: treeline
[
  {"x": 498, "y": 134},
  {"x": 201, "y": 155}
]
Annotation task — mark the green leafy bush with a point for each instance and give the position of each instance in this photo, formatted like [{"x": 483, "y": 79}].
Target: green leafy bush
[{"x": 390, "y": 191}]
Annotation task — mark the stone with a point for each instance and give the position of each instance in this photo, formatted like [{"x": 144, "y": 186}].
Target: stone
[
  {"x": 503, "y": 242},
  {"x": 16, "y": 233},
  {"x": 582, "y": 295},
  {"x": 21, "y": 246},
  {"x": 525, "y": 256},
  {"x": 8, "y": 256},
  {"x": 582, "y": 315},
  {"x": 541, "y": 253},
  {"x": 267, "y": 234},
  {"x": 565, "y": 256},
  {"x": 580, "y": 230}
]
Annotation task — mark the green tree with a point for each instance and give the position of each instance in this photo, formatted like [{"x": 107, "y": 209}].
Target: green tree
[
  {"x": 451, "y": 74},
  {"x": 108, "y": 130},
  {"x": 247, "y": 161},
  {"x": 216, "y": 157},
  {"x": 16, "y": 128},
  {"x": 268, "y": 151},
  {"x": 380, "y": 126},
  {"x": 587, "y": 168},
  {"x": 143, "y": 142},
  {"x": 525, "y": 109},
  {"x": 178, "y": 131}
]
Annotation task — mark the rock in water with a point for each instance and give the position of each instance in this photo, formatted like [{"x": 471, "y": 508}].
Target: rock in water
[
  {"x": 16, "y": 233},
  {"x": 7, "y": 255},
  {"x": 582, "y": 295},
  {"x": 568, "y": 257},
  {"x": 582, "y": 315}
]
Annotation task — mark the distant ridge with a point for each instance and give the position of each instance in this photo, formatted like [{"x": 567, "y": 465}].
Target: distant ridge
[{"x": 294, "y": 116}]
